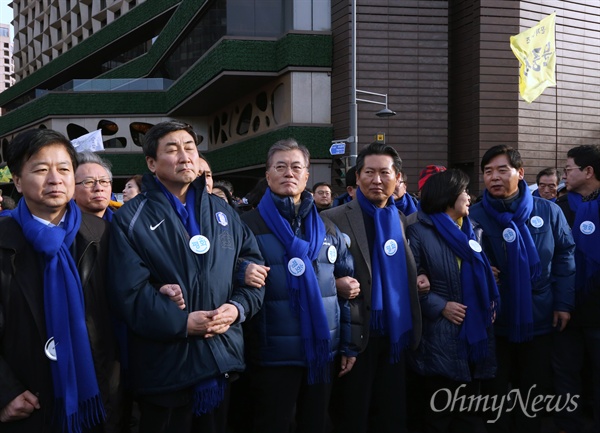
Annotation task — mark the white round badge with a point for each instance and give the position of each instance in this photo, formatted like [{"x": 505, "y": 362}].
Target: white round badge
[
  {"x": 475, "y": 245},
  {"x": 390, "y": 247},
  {"x": 587, "y": 227},
  {"x": 509, "y": 235},
  {"x": 50, "y": 349},
  {"x": 536, "y": 222},
  {"x": 296, "y": 266},
  {"x": 199, "y": 244},
  {"x": 331, "y": 254}
]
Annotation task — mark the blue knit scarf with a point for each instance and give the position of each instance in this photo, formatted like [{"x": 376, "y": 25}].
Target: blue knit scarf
[
  {"x": 305, "y": 294},
  {"x": 78, "y": 402},
  {"x": 209, "y": 393},
  {"x": 390, "y": 298},
  {"x": 587, "y": 251},
  {"x": 406, "y": 204},
  {"x": 479, "y": 290},
  {"x": 523, "y": 263}
]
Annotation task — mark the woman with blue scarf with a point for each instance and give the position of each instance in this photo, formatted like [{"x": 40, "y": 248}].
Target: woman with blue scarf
[{"x": 457, "y": 345}]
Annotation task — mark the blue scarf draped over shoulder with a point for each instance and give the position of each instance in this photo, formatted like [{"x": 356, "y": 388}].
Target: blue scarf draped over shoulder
[
  {"x": 406, "y": 204},
  {"x": 390, "y": 299},
  {"x": 479, "y": 290},
  {"x": 524, "y": 265},
  {"x": 305, "y": 294},
  {"x": 78, "y": 402},
  {"x": 586, "y": 233}
]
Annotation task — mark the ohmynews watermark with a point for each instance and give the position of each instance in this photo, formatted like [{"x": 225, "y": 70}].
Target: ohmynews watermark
[{"x": 445, "y": 399}]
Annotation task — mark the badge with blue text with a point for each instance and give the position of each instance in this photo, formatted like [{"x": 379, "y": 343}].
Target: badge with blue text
[
  {"x": 50, "y": 349},
  {"x": 331, "y": 254},
  {"x": 509, "y": 235},
  {"x": 587, "y": 227},
  {"x": 222, "y": 219},
  {"x": 296, "y": 266},
  {"x": 390, "y": 247},
  {"x": 199, "y": 244},
  {"x": 475, "y": 245},
  {"x": 536, "y": 222}
]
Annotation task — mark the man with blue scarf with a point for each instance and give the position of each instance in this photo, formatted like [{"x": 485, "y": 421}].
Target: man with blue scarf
[
  {"x": 581, "y": 206},
  {"x": 405, "y": 202},
  {"x": 292, "y": 341},
  {"x": 58, "y": 353},
  {"x": 385, "y": 316},
  {"x": 176, "y": 237},
  {"x": 530, "y": 248}
]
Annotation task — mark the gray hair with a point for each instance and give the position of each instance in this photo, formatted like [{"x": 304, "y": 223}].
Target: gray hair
[
  {"x": 287, "y": 145},
  {"x": 88, "y": 157}
]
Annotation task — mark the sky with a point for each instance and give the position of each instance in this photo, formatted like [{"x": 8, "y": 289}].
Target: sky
[{"x": 6, "y": 13}]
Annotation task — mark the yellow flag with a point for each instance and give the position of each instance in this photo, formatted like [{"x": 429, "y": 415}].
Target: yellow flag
[
  {"x": 536, "y": 50},
  {"x": 5, "y": 175}
]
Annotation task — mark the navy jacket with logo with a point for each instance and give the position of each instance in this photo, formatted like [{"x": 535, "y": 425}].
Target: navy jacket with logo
[{"x": 150, "y": 248}]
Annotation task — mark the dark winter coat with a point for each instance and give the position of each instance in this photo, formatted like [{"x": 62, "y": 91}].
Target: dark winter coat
[
  {"x": 554, "y": 290},
  {"x": 273, "y": 335},
  {"x": 150, "y": 248},
  {"x": 438, "y": 353}
]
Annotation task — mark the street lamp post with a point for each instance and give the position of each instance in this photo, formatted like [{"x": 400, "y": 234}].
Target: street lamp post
[{"x": 385, "y": 112}]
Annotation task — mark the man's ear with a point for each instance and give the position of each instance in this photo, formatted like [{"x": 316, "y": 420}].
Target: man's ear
[{"x": 151, "y": 163}]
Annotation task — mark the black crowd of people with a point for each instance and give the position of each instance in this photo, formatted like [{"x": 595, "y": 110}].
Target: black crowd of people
[{"x": 187, "y": 309}]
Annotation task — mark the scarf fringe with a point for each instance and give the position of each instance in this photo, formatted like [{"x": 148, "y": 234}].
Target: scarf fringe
[
  {"x": 319, "y": 359},
  {"x": 397, "y": 348},
  {"x": 208, "y": 395},
  {"x": 89, "y": 414}
]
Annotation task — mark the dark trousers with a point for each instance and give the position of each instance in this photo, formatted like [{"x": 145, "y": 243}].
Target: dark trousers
[
  {"x": 570, "y": 349},
  {"x": 372, "y": 397},
  {"x": 438, "y": 414},
  {"x": 161, "y": 419},
  {"x": 520, "y": 366},
  {"x": 282, "y": 397}
]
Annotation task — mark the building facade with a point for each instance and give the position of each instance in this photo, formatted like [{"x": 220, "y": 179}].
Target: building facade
[
  {"x": 247, "y": 73},
  {"x": 7, "y": 78}
]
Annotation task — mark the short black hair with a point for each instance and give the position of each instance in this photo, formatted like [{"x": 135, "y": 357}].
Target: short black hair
[
  {"x": 28, "y": 143},
  {"x": 318, "y": 184},
  {"x": 158, "y": 131},
  {"x": 587, "y": 155},
  {"x": 378, "y": 149},
  {"x": 442, "y": 189},
  {"x": 550, "y": 171},
  {"x": 514, "y": 157},
  {"x": 351, "y": 177}
]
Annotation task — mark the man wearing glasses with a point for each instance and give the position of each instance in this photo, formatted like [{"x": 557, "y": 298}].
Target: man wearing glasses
[
  {"x": 93, "y": 185},
  {"x": 292, "y": 340},
  {"x": 322, "y": 196},
  {"x": 582, "y": 335}
]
